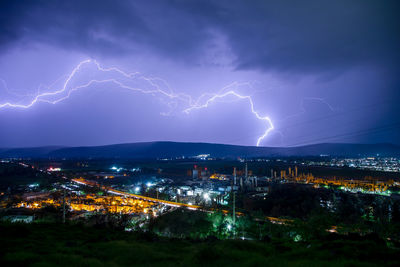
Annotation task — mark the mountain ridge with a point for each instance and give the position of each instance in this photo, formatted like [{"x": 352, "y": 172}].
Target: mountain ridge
[{"x": 169, "y": 149}]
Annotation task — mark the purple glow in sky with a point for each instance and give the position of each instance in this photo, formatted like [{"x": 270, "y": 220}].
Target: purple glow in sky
[{"x": 238, "y": 72}]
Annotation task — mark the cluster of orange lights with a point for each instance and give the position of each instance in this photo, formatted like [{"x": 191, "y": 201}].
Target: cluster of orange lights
[
  {"x": 93, "y": 203},
  {"x": 217, "y": 176},
  {"x": 366, "y": 184}
]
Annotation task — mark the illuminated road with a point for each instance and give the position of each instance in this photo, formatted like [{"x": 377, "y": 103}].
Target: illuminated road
[
  {"x": 121, "y": 193},
  {"x": 168, "y": 203}
]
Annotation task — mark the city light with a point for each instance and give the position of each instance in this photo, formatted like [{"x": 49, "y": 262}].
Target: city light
[
  {"x": 215, "y": 133},
  {"x": 51, "y": 169},
  {"x": 118, "y": 169}
]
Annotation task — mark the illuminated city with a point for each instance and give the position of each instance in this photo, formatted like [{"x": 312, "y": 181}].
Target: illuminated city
[
  {"x": 369, "y": 163},
  {"x": 199, "y": 133}
]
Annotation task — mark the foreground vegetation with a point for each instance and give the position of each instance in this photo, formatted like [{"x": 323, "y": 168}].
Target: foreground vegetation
[
  {"x": 300, "y": 233},
  {"x": 66, "y": 245}
]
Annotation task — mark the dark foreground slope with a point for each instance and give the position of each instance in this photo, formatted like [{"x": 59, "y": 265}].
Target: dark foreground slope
[
  {"x": 65, "y": 245},
  {"x": 152, "y": 150}
]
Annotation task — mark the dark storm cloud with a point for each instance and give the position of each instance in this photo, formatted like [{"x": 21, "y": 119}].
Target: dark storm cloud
[
  {"x": 314, "y": 35},
  {"x": 70, "y": 24},
  {"x": 102, "y": 27},
  {"x": 299, "y": 36}
]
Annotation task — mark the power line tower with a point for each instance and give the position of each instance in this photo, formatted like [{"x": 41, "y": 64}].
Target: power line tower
[
  {"x": 234, "y": 199},
  {"x": 245, "y": 172},
  {"x": 234, "y": 175},
  {"x": 63, "y": 219},
  {"x": 234, "y": 208}
]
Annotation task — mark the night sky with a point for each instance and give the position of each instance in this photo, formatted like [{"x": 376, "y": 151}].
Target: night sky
[{"x": 321, "y": 71}]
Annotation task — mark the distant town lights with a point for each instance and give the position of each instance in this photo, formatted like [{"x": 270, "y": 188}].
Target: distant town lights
[
  {"x": 51, "y": 169},
  {"x": 114, "y": 168},
  {"x": 202, "y": 156}
]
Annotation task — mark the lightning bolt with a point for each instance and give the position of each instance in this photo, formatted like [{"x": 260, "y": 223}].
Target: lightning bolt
[
  {"x": 270, "y": 125},
  {"x": 156, "y": 89}
]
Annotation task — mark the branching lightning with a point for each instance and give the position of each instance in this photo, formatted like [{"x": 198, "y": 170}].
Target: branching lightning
[
  {"x": 215, "y": 97},
  {"x": 202, "y": 102}
]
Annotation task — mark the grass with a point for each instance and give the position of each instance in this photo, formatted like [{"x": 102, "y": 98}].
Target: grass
[{"x": 76, "y": 245}]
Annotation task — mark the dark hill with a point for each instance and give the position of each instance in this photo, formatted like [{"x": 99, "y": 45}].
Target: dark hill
[
  {"x": 152, "y": 150},
  {"x": 30, "y": 152}
]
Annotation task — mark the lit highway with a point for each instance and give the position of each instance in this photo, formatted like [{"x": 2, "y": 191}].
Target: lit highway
[
  {"x": 121, "y": 193},
  {"x": 165, "y": 202}
]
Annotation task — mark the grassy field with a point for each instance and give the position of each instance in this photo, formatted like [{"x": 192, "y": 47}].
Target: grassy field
[{"x": 75, "y": 245}]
